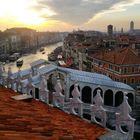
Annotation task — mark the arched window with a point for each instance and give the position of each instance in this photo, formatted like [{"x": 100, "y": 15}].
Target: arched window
[
  {"x": 71, "y": 89},
  {"x": 130, "y": 99},
  {"x": 86, "y": 94},
  {"x": 108, "y": 98},
  {"x": 118, "y": 98}
]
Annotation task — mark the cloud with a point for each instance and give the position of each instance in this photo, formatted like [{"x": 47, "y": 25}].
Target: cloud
[{"x": 81, "y": 11}]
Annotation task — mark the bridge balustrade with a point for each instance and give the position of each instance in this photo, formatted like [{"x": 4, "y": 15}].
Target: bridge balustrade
[{"x": 98, "y": 110}]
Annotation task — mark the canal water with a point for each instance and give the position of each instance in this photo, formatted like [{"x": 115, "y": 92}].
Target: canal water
[{"x": 29, "y": 58}]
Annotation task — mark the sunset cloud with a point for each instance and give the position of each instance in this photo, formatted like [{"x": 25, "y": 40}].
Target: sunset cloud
[
  {"x": 68, "y": 14},
  {"x": 81, "y": 11}
]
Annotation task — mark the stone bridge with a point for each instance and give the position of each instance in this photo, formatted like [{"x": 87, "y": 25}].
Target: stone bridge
[{"x": 89, "y": 95}]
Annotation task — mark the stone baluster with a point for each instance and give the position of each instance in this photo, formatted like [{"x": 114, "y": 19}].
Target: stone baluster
[
  {"x": 1, "y": 73},
  {"x": 58, "y": 97},
  {"x": 34, "y": 70},
  {"x": 10, "y": 82},
  {"x": 30, "y": 86},
  {"x": 30, "y": 79},
  {"x": 124, "y": 119},
  {"x": 67, "y": 86},
  {"x": 18, "y": 80},
  {"x": 97, "y": 110},
  {"x": 76, "y": 103},
  {"x": 54, "y": 78},
  {"x": 43, "y": 91}
]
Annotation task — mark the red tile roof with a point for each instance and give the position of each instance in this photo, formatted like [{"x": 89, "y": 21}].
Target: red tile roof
[
  {"x": 35, "y": 120},
  {"x": 127, "y": 38},
  {"x": 122, "y": 56}
]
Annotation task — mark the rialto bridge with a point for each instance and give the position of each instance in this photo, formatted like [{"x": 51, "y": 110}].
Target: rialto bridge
[{"x": 78, "y": 92}]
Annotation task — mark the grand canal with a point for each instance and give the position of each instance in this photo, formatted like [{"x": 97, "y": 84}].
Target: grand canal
[{"x": 29, "y": 58}]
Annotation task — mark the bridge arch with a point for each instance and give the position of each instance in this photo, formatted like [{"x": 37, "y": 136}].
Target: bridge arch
[
  {"x": 130, "y": 99},
  {"x": 119, "y": 98},
  {"x": 86, "y": 94},
  {"x": 108, "y": 97}
]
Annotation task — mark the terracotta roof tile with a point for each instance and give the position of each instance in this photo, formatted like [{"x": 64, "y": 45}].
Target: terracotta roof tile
[
  {"x": 119, "y": 56},
  {"x": 37, "y": 121}
]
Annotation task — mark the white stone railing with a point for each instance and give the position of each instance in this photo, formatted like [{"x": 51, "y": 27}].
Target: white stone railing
[
  {"x": 97, "y": 110},
  {"x": 58, "y": 97},
  {"x": 43, "y": 91},
  {"x": 77, "y": 107},
  {"x": 124, "y": 119}
]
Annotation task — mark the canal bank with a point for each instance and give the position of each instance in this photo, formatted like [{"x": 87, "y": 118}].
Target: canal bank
[{"x": 29, "y": 58}]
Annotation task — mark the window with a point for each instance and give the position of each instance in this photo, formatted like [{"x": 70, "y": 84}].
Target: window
[
  {"x": 116, "y": 79},
  {"x": 85, "y": 63},
  {"x": 125, "y": 70},
  {"x": 132, "y": 81},
  {"x": 110, "y": 76},
  {"x": 139, "y": 68},
  {"x": 133, "y": 69},
  {"x": 117, "y": 69},
  {"x": 125, "y": 81},
  {"x": 110, "y": 66}
]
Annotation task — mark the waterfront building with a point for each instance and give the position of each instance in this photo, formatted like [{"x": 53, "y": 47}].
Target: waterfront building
[
  {"x": 120, "y": 64},
  {"x": 26, "y": 39},
  {"x": 14, "y": 43},
  {"x": 45, "y": 38},
  {"x": 4, "y": 49}
]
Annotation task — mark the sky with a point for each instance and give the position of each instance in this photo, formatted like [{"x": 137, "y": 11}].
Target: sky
[{"x": 68, "y": 15}]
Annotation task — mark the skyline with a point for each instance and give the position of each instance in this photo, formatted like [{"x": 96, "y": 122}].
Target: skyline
[{"x": 66, "y": 15}]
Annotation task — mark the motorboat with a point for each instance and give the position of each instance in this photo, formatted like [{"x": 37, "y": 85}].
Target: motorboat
[
  {"x": 42, "y": 49},
  {"x": 19, "y": 63},
  {"x": 14, "y": 57},
  {"x": 52, "y": 57}
]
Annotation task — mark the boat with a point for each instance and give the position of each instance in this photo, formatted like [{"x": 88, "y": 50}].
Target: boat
[
  {"x": 42, "y": 49},
  {"x": 61, "y": 63},
  {"x": 59, "y": 57},
  {"x": 19, "y": 63},
  {"x": 14, "y": 57},
  {"x": 52, "y": 57}
]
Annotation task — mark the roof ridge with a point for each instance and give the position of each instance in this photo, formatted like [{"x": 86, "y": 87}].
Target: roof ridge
[{"x": 125, "y": 55}]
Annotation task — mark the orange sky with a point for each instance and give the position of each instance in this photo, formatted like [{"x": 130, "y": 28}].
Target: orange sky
[{"x": 65, "y": 15}]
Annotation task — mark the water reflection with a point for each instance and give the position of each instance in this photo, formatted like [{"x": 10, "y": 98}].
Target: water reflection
[{"x": 29, "y": 58}]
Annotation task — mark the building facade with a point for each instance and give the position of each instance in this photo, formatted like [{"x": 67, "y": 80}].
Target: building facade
[{"x": 121, "y": 64}]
